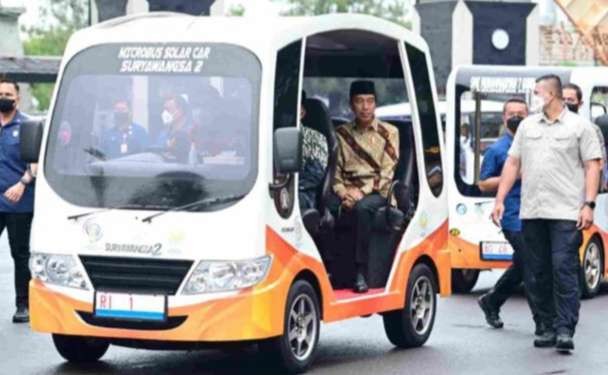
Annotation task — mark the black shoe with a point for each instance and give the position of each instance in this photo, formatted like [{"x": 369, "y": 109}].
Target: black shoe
[
  {"x": 490, "y": 312},
  {"x": 360, "y": 284},
  {"x": 564, "y": 343},
  {"x": 22, "y": 315},
  {"x": 546, "y": 340}
]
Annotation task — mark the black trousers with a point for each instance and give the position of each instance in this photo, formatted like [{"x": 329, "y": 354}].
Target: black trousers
[
  {"x": 363, "y": 215},
  {"x": 518, "y": 272},
  {"x": 554, "y": 260},
  {"x": 18, "y": 226}
]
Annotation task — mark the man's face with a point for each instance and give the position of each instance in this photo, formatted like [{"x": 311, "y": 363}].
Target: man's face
[
  {"x": 570, "y": 97},
  {"x": 8, "y": 91},
  {"x": 364, "y": 107},
  {"x": 122, "y": 113},
  {"x": 514, "y": 109}
]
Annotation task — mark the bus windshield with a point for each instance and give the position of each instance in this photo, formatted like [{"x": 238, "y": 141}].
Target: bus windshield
[{"x": 155, "y": 126}]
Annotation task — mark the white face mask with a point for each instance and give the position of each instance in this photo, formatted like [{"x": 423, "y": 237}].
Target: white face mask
[
  {"x": 537, "y": 104},
  {"x": 166, "y": 117}
]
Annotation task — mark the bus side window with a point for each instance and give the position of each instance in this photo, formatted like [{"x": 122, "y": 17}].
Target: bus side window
[{"x": 286, "y": 93}]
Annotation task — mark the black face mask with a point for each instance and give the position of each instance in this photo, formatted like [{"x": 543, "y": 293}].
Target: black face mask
[
  {"x": 513, "y": 123},
  {"x": 7, "y": 105},
  {"x": 572, "y": 107},
  {"x": 121, "y": 118}
]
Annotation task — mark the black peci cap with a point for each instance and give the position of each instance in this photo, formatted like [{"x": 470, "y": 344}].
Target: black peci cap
[{"x": 362, "y": 88}]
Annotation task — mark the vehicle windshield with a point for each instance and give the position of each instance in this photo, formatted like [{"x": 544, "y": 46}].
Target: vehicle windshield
[{"x": 155, "y": 126}]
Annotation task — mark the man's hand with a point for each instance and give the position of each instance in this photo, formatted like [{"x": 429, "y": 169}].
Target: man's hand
[
  {"x": 352, "y": 196},
  {"x": 355, "y": 194},
  {"x": 15, "y": 192},
  {"x": 499, "y": 210},
  {"x": 585, "y": 218}
]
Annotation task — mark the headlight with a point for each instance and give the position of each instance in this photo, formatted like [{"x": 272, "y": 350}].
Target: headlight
[
  {"x": 57, "y": 269},
  {"x": 221, "y": 276}
]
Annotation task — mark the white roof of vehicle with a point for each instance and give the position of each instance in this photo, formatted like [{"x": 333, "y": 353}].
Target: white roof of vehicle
[
  {"x": 254, "y": 33},
  {"x": 468, "y": 106}
]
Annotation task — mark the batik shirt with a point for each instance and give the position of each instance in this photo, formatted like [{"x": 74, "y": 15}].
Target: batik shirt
[
  {"x": 367, "y": 158},
  {"x": 314, "y": 158}
]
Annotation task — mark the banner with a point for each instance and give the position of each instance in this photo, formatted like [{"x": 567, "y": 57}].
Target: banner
[{"x": 590, "y": 17}]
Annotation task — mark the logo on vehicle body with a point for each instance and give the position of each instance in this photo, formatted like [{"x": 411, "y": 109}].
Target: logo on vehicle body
[{"x": 154, "y": 250}]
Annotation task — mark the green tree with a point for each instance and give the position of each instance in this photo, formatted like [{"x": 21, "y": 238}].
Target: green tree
[
  {"x": 393, "y": 10},
  {"x": 58, "y": 20}
]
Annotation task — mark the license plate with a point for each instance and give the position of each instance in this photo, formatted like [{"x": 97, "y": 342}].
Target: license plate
[
  {"x": 130, "y": 306},
  {"x": 496, "y": 251}
]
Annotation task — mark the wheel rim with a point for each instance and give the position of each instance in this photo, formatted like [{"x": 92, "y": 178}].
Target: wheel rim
[
  {"x": 422, "y": 305},
  {"x": 303, "y": 326},
  {"x": 592, "y": 265}
]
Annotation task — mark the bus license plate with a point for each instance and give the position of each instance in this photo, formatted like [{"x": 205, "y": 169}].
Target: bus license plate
[
  {"x": 130, "y": 306},
  {"x": 496, "y": 251}
]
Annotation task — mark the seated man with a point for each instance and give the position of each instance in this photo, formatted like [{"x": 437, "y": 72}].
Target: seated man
[
  {"x": 126, "y": 137},
  {"x": 367, "y": 158},
  {"x": 314, "y": 163}
]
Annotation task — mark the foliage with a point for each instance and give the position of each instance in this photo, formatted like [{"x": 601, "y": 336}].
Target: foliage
[
  {"x": 59, "y": 19},
  {"x": 236, "y": 10},
  {"x": 393, "y": 10}
]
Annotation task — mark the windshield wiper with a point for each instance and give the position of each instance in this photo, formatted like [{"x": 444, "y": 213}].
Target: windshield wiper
[
  {"x": 107, "y": 209},
  {"x": 201, "y": 203},
  {"x": 95, "y": 152}
]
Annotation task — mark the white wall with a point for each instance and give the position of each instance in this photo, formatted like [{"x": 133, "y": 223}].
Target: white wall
[{"x": 462, "y": 35}]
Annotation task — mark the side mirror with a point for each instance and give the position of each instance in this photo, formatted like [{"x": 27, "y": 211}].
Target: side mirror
[
  {"x": 287, "y": 150},
  {"x": 30, "y": 139}
]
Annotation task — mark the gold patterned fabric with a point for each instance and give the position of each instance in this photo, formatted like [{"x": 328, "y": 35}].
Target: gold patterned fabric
[{"x": 367, "y": 158}]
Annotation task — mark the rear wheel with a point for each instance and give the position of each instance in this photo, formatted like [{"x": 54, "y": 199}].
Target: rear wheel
[
  {"x": 591, "y": 269},
  {"x": 463, "y": 280},
  {"x": 80, "y": 349},
  {"x": 295, "y": 350},
  {"x": 412, "y": 326}
]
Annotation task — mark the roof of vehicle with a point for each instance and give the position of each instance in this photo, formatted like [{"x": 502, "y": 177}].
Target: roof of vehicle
[
  {"x": 252, "y": 32},
  {"x": 468, "y": 106}
]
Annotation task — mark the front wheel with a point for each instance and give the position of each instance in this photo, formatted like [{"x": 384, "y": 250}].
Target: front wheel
[
  {"x": 80, "y": 349},
  {"x": 591, "y": 269},
  {"x": 463, "y": 280},
  {"x": 295, "y": 350},
  {"x": 412, "y": 326}
]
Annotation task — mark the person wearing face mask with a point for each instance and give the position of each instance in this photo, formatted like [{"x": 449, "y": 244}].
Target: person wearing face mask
[
  {"x": 175, "y": 138},
  {"x": 514, "y": 111},
  {"x": 557, "y": 154},
  {"x": 125, "y": 137},
  {"x": 17, "y": 199}
]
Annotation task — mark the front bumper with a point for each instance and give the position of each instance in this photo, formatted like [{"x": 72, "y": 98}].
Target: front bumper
[{"x": 253, "y": 313}]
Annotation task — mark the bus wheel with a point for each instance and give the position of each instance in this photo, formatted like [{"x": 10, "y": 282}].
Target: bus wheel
[
  {"x": 412, "y": 326},
  {"x": 591, "y": 270},
  {"x": 463, "y": 280},
  {"x": 295, "y": 350},
  {"x": 80, "y": 349}
]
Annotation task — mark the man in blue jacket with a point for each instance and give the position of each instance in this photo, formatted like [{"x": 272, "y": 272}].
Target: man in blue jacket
[
  {"x": 16, "y": 194},
  {"x": 514, "y": 111}
]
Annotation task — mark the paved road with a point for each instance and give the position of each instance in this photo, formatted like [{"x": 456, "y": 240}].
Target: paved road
[{"x": 461, "y": 343}]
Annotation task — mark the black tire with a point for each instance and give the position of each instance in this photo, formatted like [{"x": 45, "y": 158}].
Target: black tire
[
  {"x": 279, "y": 350},
  {"x": 403, "y": 327},
  {"x": 591, "y": 269},
  {"x": 80, "y": 349},
  {"x": 464, "y": 280}
]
